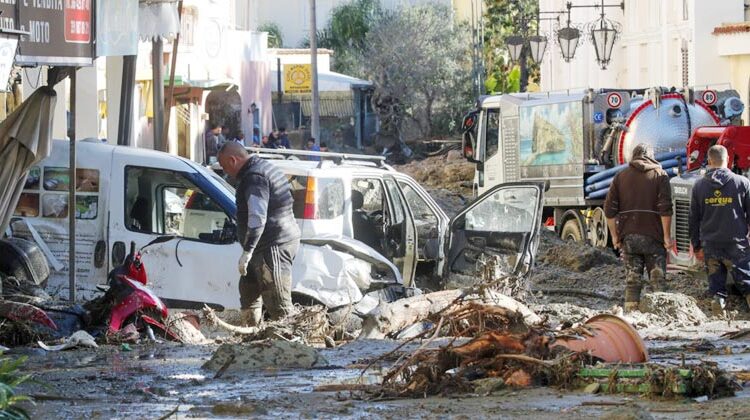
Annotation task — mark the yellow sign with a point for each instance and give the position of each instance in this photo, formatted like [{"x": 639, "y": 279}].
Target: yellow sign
[{"x": 297, "y": 78}]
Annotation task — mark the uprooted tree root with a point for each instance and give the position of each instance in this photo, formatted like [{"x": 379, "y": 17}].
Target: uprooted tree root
[
  {"x": 308, "y": 323},
  {"x": 504, "y": 346},
  {"x": 519, "y": 355}
]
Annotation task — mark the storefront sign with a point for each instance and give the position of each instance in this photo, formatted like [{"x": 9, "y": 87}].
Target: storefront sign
[
  {"x": 297, "y": 78},
  {"x": 60, "y": 31}
]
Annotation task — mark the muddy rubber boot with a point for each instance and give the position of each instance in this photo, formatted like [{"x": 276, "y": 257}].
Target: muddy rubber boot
[
  {"x": 251, "y": 317},
  {"x": 631, "y": 307},
  {"x": 718, "y": 306},
  {"x": 657, "y": 280},
  {"x": 633, "y": 287}
]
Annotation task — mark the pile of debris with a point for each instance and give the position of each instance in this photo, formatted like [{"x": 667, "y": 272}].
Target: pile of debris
[
  {"x": 503, "y": 350},
  {"x": 450, "y": 171},
  {"x": 308, "y": 324}
]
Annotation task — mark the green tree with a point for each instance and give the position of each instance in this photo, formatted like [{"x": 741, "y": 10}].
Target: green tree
[
  {"x": 504, "y": 18},
  {"x": 420, "y": 65},
  {"x": 275, "y": 39},
  {"x": 346, "y": 34}
]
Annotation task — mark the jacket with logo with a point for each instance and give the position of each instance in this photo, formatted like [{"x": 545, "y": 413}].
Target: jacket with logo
[{"x": 720, "y": 210}]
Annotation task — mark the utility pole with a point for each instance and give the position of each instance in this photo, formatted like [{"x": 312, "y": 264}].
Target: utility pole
[
  {"x": 157, "y": 55},
  {"x": 315, "y": 117}
]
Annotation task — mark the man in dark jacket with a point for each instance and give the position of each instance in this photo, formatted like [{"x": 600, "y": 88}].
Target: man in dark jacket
[
  {"x": 267, "y": 231},
  {"x": 639, "y": 215},
  {"x": 719, "y": 218}
]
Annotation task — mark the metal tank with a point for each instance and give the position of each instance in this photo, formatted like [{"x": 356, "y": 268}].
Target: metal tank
[{"x": 665, "y": 123}]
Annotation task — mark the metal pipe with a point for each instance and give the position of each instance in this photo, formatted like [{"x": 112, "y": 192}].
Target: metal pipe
[{"x": 72, "y": 191}]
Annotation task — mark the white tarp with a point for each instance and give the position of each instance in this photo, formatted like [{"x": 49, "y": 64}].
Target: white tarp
[{"x": 25, "y": 139}]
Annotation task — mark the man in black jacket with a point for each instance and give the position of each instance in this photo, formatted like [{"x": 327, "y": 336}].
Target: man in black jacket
[
  {"x": 719, "y": 218},
  {"x": 267, "y": 231}
]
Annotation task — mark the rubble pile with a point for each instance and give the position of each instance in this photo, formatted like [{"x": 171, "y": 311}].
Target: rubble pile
[
  {"x": 308, "y": 324},
  {"x": 446, "y": 177}
]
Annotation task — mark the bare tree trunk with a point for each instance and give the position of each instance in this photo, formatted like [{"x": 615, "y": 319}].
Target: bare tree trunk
[{"x": 428, "y": 115}]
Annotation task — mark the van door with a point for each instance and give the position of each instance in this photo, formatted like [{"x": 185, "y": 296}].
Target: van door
[
  {"x": 504, "y": 222},
  {"x": 158, "y": 195}
]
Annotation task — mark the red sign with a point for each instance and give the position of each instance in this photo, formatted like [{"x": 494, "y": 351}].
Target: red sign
[
  {"x": 614, "y": 100},
  {"x": 78, "y": 21},
  {"x": 709, "y": 97}
]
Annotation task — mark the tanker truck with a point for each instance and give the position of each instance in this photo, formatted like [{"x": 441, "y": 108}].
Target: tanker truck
[{"x": 578, "y": 141}]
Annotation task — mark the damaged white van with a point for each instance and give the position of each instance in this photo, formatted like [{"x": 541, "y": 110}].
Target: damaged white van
[{"x": 366, "y": 228}]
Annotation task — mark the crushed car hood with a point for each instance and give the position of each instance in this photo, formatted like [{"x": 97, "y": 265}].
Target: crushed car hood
[{"x": 338, "y": 270}]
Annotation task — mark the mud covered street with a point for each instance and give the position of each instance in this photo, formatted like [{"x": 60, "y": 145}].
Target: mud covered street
[{"x": 152, "y": 380}]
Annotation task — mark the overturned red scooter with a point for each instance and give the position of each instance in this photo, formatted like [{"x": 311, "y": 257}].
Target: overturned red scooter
[{"x": 128, "y": 300}]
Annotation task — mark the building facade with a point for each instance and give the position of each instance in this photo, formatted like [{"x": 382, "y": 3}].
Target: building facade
[{"x": 663, "y": 43}]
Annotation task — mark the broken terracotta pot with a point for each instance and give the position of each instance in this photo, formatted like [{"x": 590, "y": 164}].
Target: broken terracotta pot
[{"x": 613, "y": 340}]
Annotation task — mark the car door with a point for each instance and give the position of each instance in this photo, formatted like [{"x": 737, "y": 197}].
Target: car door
[
  {"x": 430, "y": 220},
  {"x": 401, "y": 233},
  {"x": 504, "y": 222},
  {"x": 152, "y": 197}
]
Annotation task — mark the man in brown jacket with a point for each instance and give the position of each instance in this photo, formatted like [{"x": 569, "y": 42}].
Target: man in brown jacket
[{"x": 639, "y": 215}]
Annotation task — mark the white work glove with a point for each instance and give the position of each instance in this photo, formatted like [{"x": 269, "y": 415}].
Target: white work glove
[{"x": 244, "y": 261}]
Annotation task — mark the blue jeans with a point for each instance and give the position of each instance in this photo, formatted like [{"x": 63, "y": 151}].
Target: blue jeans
[{"x": 722, "y": 259}]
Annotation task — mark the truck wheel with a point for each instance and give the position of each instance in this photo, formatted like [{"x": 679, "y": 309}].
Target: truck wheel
[{"x": 571, "y": 231}]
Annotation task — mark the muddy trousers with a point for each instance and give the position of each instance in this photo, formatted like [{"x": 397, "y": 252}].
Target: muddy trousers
[
  {"x": 269, "y": 282},
  {"x": 721, "y": 260},
  {"x": 641, "y": 252}
]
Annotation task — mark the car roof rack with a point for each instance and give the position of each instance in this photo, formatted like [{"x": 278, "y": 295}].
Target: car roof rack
[{"x": 338, "y": 158}]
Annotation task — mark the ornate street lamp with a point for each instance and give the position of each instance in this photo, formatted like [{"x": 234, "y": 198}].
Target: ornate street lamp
[
  {"x": 537, "y": 45},
  {"x": 604, "y": 33},
  {"x": 515, "y": 45},
  {"x": 568, "y": 38}
]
